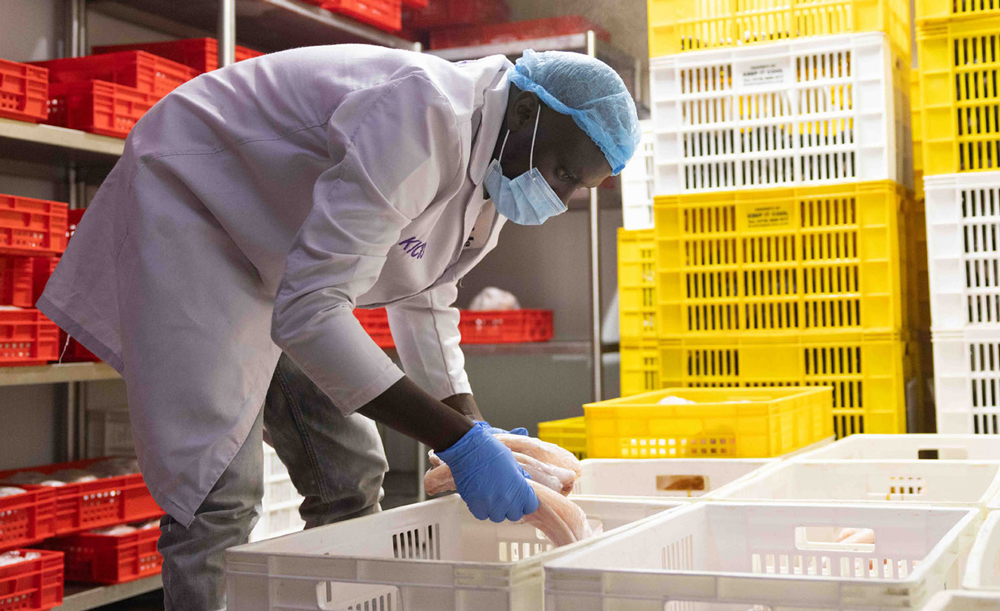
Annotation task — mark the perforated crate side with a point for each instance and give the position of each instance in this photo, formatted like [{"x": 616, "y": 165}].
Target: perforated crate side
[
  {"x": 24, "y": 91},
  {"x": 967, "y": 381},
  {"x": 637, "y": 300},
  {"x": 640, "y": 368},
  {"x": 808, "y": 111}
]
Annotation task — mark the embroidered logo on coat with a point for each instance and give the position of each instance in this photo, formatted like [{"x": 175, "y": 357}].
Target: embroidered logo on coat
[{"x": 413, "y": 247}]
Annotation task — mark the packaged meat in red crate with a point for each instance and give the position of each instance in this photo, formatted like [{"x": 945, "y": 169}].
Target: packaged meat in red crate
[
  {"x": 92, "y": 494},
  {"x": 201, "y": 54},
  {"x": 16, "y": 277},
  {"x": 382, "y": 14},
  {"x": 97, "y": 107},
  {"x": 112, "y": 555},
  {"x": 31, "y": 580},
  {"x": 376, "y": 324},
  {"x": 32, "y": 227},
  {"x": 27, "y": 338},
  {"x": 449, "y": 13},
  {"x": 493, "y": 33},
  {"x": 24, "y": 91},
  {"x": 142, "y": 71},
  {"x": 26, "y": 516},
  {"x": 505, "y": 326}
]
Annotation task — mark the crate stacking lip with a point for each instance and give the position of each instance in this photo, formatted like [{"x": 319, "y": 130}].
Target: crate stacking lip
[
  {"x": 143, "y": 71},
  {"x": 27, "y": 518},
  {"x": 776, "y": 556},
  {"x": 938, "y": 446},
  {"x": 103, "y": 502},
  {"x": 960, "y": 104},
  {"x": 663, "y": 477},
  {"x": 32, "y": 585},
  {"x": 809, "y": 111},
  {"x": 24, "y": 91},
  {"x": 677, "y": 26},
  {"x": 637, "y": 302},
  {"x": 431, "y": 555},
  {"x": 569, "y": 434},
  {"x": 808, "y": 259},
  {"x": 110, "y": 559},
  {"x": 873, "y": 376},
  {"x": 709, "y": 423},
  {"x": 941, "y": 483},
  {"x": 967, "y": 381},
  {"x": 201, "y": 54},
  {"x": 32, "y": 227}
]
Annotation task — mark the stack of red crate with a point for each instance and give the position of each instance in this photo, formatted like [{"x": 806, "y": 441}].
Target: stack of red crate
[
  {"x": 30, "y": 229},
  {"x": 24, "y": 92},
  {"x": 495, "y": 33},
  {"x": 382, "y": 14}
]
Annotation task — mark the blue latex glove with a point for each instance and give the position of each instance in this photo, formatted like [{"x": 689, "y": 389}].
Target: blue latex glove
[
  {"x": 498, "y": 431},
  {"x": 488, "y": 478}
]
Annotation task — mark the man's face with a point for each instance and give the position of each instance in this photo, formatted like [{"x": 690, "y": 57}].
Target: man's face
[{"x": 565, "y": 156}]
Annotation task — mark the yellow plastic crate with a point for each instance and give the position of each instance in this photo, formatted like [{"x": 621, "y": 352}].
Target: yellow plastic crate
[
  {"x": 568, "y": 433},
  {"x": 636, "y": 285},
  {"x": 870, "y": 375},
  {"x": 676, "y": 26},
  {"x": 640, "y": 367},
  {"x": 936, "y": 10},
  {"x": 959, "y": 97},
  {"x": 722, "y": 423},
  {"x": 916, "y": 124},
  {"x": 808, "y": 259}
]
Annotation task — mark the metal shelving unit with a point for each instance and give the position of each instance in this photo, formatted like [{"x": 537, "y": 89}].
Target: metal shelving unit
[
  {"x": 57, "y": 374},
  {"x": 79, "y": 598}
]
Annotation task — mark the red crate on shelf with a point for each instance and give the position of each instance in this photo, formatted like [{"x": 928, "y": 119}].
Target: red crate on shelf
[
  {"x": 418, "y": 4},
  {"x": 382, "y": 14},
  {"x": 105, "y": 502},
  {"x": 27, "y": 518},
  {"x": 449, "y": 13},
  {"x": 110, "y": 559},
  {"x": 376, "y": 323},
  {"x": 506, "y": 326},
  {"x": 142, "y": 71},
  {"x": 97, "y": 107},
  {"x": 24, "y": 91},
  {"x": 27, "y": 338},
  {"x": 201, "y": 54},
  {"x": 32, "y": 226},
  {"x": 493, "y": 33},
  {"x": 16, "y": 277},
  {"x": 32, "y": 585},
  {"x": 41, "y": 269}
]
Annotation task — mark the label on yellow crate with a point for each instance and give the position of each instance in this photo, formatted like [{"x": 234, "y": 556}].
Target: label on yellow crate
[{"x": 763, "y": 217}]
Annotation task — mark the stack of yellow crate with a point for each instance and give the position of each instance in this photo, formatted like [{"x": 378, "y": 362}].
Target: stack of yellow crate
[{"x": 784, "y": 246}]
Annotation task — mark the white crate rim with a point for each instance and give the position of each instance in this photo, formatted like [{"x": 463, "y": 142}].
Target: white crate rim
[{"x": 973, "y": 578}]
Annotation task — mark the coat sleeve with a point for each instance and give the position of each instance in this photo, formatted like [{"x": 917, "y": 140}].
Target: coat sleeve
[
  {"x": 395, "y": 148},
  {"x": 425, "y": 331}
]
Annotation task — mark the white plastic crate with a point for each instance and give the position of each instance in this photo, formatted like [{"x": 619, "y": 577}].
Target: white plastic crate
[
  {"x": 280, "y": 506},
  {"x": 662, "y": 477},
  {"x": 982, "y": 572},
  {"x": 109, "y": 433},
  {"x": 955, "y": 600},
  {"x": 815, "y": 110},
  {"x": 940, "y": 483},
  {"x": 963, "y": 248},
  {"x": 735, "y": 557},
  {"x": 967, "y": 381},
  {"x": 909, "y": 447},
  {"x": 637, "y": 183},
  {"x": 431, "y": 556}
]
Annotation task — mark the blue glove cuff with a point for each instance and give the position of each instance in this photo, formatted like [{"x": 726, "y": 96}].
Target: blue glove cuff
[{"x": 473, "y": 439}]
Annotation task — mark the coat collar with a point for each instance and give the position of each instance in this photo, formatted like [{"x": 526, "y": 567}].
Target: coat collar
[{"x": 493, "y": 111}]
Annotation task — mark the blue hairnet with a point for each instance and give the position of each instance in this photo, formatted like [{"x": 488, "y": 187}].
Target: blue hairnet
[{"x": 588, "y": 90}]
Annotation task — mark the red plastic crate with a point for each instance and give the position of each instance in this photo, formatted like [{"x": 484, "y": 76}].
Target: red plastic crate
[
  {"x": 506, "y": 326},
  {"x": 41, "y": 269},
  {"x": 16, "y": 277},
  {"x": 97, "y": 107},
  {"x": 449, "y": 13},
  {"x": 24, "y": 91},
  {"x": 32, "y": 585},
  {"x": 493, "y": 33},
  {"x": 110, "y": 559},
  {"x": 27, "y": 338},
  {"x": 142, "y": 71},
  {"x": 376, "y": 323},
  {"x": 382, "y": 14},
  {"x": 201, "y": 54},
  {"x": 105, "y": 502},
  {"x": 415, "y": 3},
  {"x": 32, "y": 226},
  {"x": 27, "y": 518}
]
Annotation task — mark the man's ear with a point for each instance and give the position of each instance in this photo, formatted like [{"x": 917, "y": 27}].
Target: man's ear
[{"x": 522, "y": 112}]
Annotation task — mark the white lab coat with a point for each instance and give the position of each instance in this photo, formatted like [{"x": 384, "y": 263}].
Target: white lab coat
[{"x": 253, "y": 209}]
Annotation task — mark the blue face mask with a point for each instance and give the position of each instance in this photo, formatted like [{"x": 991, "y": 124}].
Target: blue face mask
[{"x": 527, "y": 199}]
